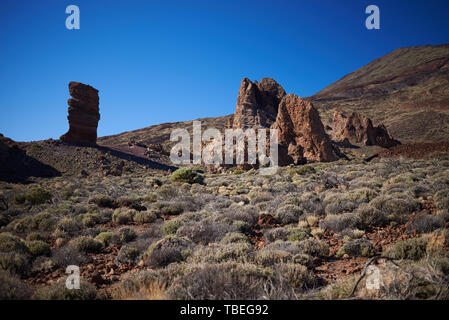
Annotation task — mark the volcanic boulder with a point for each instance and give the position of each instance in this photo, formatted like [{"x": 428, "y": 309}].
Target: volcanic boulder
[
  {"x": 301, "y": 133},
  {"x": 257, "y": 104},
  {"x": 83, "y": 114},
  {"x": 357, "y": 128}
]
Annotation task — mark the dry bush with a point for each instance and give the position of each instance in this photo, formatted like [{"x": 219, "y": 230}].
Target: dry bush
[
  {"x": 205, "y": 231},
  {"x": 59, "y": 291},
  {"x": 230, "y": 281},
  {"x": 145, "y": 291},
  {"x": 12, "y": 288},
  {"x": 167, "y": 250},
  {"x": 427, "y": 223},
  {"x": 341, "y": 222}
]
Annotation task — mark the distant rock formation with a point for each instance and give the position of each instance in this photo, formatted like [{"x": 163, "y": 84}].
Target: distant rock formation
[
  {"x": 301, "y": 133},
  {"x": 257, "y": 104},
  {"x": 357, "y": 128},
  {"x": 83, "y": 114}
]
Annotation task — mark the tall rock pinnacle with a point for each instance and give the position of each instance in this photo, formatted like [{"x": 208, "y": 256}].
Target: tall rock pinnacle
[{"x": 83, "y": 114}]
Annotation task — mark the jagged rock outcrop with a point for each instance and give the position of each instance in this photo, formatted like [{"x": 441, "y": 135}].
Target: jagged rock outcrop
[
  {"x": 301, "y": 133},
  {"x": 83, "y": 114},
  {"x": 257, "y": 104},
  {"x": 356, "y": 128}
]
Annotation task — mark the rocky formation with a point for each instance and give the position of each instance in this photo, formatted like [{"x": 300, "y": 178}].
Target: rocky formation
[
  {"x": 83, "y": 114},
  {"x": 257, "y": 104},
  {"x": 301, "y": 133},
  {"x": 356, "y": 128}
]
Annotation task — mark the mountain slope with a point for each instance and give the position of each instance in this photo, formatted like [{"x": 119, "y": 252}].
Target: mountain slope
[
  {"x": 407, "y": 90},
  {"x": 160, "y": 133}
]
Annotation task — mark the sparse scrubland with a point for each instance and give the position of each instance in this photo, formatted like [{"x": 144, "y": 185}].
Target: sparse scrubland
[{"x": 304, "y": 233}]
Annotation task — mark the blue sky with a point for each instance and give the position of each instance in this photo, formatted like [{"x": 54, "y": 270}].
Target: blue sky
[{"x": 165, "y": 61}]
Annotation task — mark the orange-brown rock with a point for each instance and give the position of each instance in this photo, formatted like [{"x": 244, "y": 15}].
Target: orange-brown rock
[
  {"x": 257, "y": 104},
  {"x": 356, "y": 128},
  {"x": 301, "y": 133},
  {"x": 83, "y": 114}
]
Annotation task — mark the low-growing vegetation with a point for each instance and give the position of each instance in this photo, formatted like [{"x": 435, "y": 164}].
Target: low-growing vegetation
[{"x": 305, "y": 233}]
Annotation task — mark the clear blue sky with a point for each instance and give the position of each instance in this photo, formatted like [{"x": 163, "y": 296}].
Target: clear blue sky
[{"x": 164, "y": 61}]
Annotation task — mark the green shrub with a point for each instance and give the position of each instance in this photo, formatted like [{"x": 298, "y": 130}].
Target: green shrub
[
  {"x": 271, "y": 235},
  {"x": 12, "y": 288},
  {"x": 87, "y": 244},
  {"x": 187, "y": 175},
  {"x": 34, "y": 196},
  {"x": 225, "y": 281},
  {"x": 396, "y": 206},
  {"x": 39, "y": 248},
  {"x": 102, "y": 201},
  {"x": 21, "y": 225},
  {"x": 234, "y": 237},
  {"x": 428, "y": 223},
  {"x": 340, "y": 222},
  {"x": 269, "y": 258},
  {"x": 14, "y": 254},
  {"x": 142, "y": 217},
  {"x": 11, "y": 243},
  {"x": 123, "y": 216},
  {"x": 167, "y": 250},
  {"x": 288, "y": 214},
  {"x": 126, "y": 235},
  {"x": 357, "y": 248},
  {"x": 130, "y": 202},
  {"x": 15, "y": 262},
  {"x": 238, "y": 251},
  {"x": 314, "y": 247},
  {"x": 298, "y": 234},
  {"x": 411, "y": 249},
  {"x": 59, "y": 291},
  {"x": 89, "y": 219},
  {"x": 36, "y": 236},
  {"x": 128, "y": 254},
  {"x": 241, "y": 225},
  {"x": 68, "y": 226},
  {"x": 367, "y": 217},
  {"x": 105, "y": 237},
  {"x": 302, "y": 170},
  {"x": 171, "y": 226},
  {"x": 441, "y": 199},
  {"x": 43, "y": 222},
  {"x": 298, "y": 276}
]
